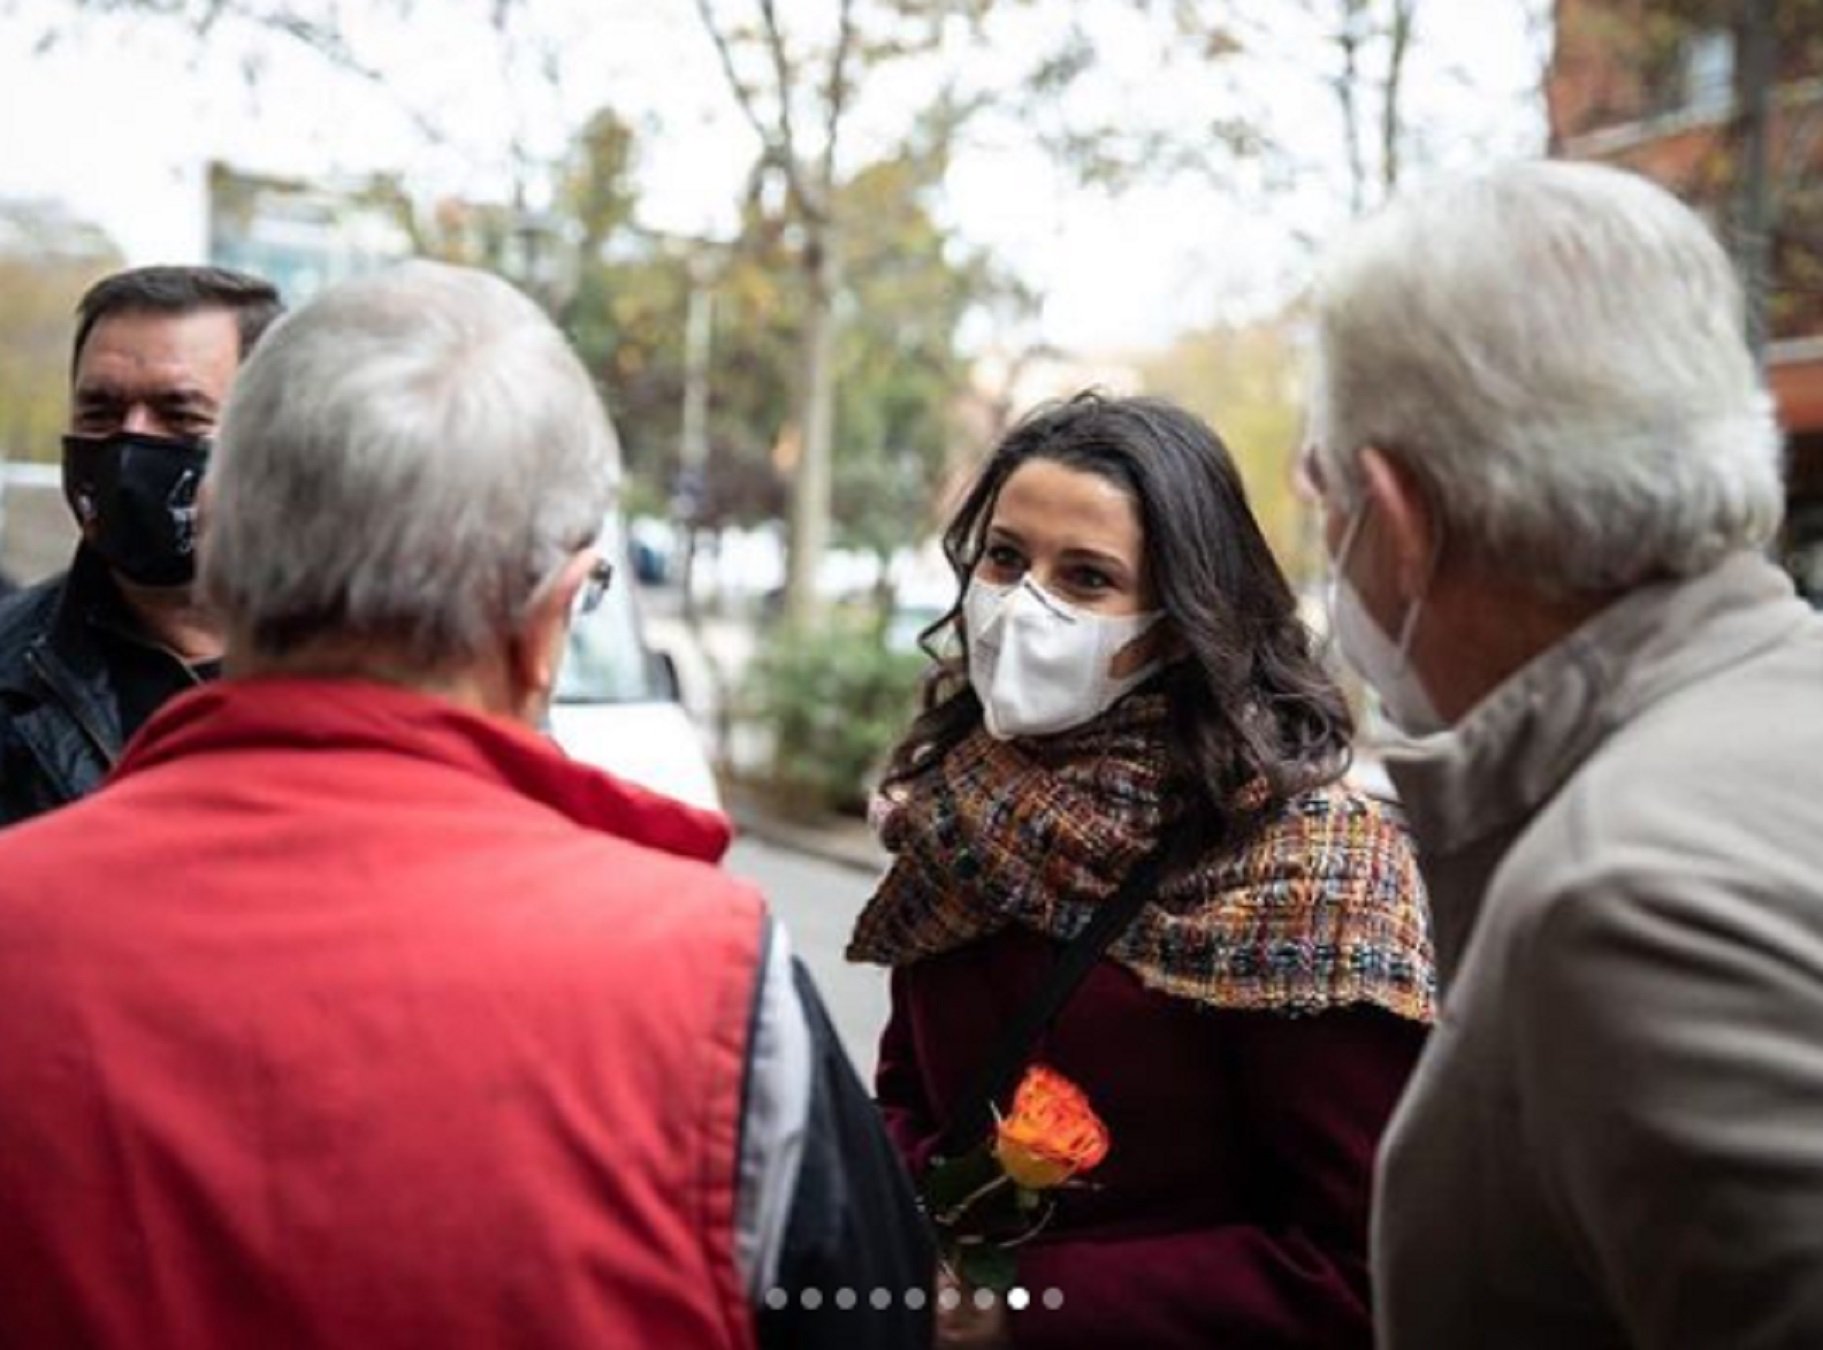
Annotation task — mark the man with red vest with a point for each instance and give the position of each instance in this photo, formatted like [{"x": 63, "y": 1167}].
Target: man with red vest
[{"x": 352, "y": 1013}]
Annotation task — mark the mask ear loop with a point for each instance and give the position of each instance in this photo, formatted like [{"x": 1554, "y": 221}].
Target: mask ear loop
[
  {"x": 1408, "y": 627},
  {"x": 1332, "y": 591}
]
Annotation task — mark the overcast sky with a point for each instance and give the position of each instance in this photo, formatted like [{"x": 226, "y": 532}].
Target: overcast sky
[{"x": 118, "y": 118}]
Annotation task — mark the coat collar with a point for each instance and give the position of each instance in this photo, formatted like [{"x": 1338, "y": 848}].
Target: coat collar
[
  {"x": 340, "y": 715},
  {"x": 1495, "y": 768}
]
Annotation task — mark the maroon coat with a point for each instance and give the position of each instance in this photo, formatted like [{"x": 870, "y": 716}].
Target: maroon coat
[{"x": 1232, "y": 1207}]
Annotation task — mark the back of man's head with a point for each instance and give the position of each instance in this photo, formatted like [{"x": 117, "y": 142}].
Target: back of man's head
[
  {"x": 405, "y": 462},
  {"x": 1556, "y": 351},
  {"x": 164, "y": 289}
]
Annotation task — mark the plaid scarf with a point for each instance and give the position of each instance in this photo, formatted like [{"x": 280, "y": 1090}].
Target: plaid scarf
[{"x": 1320, "y": 907}]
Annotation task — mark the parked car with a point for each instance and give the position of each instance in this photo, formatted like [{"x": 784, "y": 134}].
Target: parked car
[{"x": 616, "y": 703}]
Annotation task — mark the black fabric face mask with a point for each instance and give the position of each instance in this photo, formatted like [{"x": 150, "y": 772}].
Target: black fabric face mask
[{"x": 136, "y": 498}]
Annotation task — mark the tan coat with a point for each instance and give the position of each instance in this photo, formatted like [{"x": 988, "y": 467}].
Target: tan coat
[{"x": 1615, "y": 1134}]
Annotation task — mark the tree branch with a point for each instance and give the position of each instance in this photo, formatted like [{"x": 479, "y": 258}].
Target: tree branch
[
  {"x": 1399, "y": 37},
  {"x": 809, "y": 205},
  {"x": 836, "y": 98},
  {"x": 1348, "y": 38},
  {"x": 743, "y": 96},
  {"x": 323, "y": 38}
]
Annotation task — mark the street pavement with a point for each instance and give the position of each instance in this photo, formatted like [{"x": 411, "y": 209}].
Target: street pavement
[{"x": 817, "y": 901}]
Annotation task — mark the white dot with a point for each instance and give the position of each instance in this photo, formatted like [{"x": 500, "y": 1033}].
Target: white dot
[
  {"x": 1053, "y": 1299},
  {"x": 777, "y": 1298},
  {"x": 811, "y": 1299},
  {"x": 984, "y": 1299},
  {"x": 845, "y": 1299},
  {"x": 882, "y": 1299},
  {"x": 914, "y": 1299},
  {"x": 1018, "y": 1299},
  {"x": 950, "y": 1299}
]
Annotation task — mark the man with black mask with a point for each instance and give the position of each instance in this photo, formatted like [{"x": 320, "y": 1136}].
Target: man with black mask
[{"x": 90, "y": 654}]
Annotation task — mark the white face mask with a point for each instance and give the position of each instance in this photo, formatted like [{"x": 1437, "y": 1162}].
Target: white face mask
[
  {"x": 1040, "y": 665},
  {"x": 1383, "y": 663}
]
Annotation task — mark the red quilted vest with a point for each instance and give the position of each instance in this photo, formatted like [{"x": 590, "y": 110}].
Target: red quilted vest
[{"x": 345, "y": 1017}]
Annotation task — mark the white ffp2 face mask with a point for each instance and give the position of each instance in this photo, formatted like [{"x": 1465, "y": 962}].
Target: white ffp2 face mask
[
  {"x": 1378, "y": 659},
  {"x": 1039, "y": 665}
]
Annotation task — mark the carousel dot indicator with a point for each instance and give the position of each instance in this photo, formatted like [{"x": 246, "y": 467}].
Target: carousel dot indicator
[
  {"x": 1052, "y": 1299},
  {"x": 811, "y": 1299},
  {"x": 845, "y": 1299},
  {"x": 1018, "y": 1299}
]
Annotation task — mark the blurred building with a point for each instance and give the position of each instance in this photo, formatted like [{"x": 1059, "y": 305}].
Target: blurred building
[
  {"x": 41, "y": 229},
  {"x": 48, "y": 257},
  {"x": 303, "y": 236},
  {"x": 1659, "y": 88}
]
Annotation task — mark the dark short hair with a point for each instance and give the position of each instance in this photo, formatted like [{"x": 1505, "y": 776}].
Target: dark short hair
[
  {"x": 1251, "y": 704},
  {"x": 164, "y": 289}
]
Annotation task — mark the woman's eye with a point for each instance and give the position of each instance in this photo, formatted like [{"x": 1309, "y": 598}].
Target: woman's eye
[
  {"x": 1091, "y": 580},
  {"x": 1003, "y": 558}
]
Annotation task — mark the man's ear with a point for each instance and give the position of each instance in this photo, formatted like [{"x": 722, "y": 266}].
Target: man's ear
[
  {"x": 1404, "y": 513},
  {"x": 539, "y": 646}
]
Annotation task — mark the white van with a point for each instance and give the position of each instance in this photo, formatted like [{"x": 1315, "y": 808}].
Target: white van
[{"x": 616, "y": 705}]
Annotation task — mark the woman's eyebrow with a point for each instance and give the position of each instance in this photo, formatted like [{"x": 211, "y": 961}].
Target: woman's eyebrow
[{"x": 1112, "y": 561}]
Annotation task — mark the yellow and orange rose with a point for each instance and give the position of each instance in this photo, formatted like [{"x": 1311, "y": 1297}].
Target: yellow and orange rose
[{"x": 1052, "y": 1133}]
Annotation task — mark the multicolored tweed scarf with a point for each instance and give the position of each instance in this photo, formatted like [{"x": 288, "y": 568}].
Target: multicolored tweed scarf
[{"x": 1321, "y": 907}]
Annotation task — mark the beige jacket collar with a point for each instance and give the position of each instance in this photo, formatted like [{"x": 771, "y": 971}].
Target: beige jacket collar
[{"x": 1491, "y": 772}]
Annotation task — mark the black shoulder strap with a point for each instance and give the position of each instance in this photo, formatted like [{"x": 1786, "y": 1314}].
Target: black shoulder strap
[{"x": 974, "y": 1115}]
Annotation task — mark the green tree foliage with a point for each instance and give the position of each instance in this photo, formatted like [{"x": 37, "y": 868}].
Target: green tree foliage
[
  {"x": 798, "y": 78},
  {"x": 898, "y": 371},
  {"x": 1244, "y": 381},
  {"x": 835, "y": 701}
]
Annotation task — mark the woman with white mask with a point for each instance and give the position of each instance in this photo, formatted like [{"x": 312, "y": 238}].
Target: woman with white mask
[{"x": 1122, "y": 850}]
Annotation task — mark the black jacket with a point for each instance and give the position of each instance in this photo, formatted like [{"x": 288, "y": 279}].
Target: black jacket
[{"x": 65, "y": 654}]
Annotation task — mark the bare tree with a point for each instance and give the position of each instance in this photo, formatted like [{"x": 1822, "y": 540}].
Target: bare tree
[
  {"x": 798, "y": 96},
  {"x": 1364, "y": 32}
]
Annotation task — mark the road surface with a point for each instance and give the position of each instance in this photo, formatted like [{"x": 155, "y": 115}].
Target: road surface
[{"x": 818, "y": 902}]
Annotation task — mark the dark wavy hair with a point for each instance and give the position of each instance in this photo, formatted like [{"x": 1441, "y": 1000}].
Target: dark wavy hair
[{"x": 1249, "y": 700}]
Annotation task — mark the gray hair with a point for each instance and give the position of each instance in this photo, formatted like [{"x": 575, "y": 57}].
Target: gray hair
[
  {"x": 1556, "y": 351},
  {"x": 403, "y": 462}
]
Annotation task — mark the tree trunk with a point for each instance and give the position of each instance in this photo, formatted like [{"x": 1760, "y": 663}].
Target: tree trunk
[
  {"x": 1347, "y": 91},
  {"x": 812, "y": 484},
  {"x": 1756, "y": 68},
  {"x": 1392, "y": 129},
  {"x": 693, "y": 437}
]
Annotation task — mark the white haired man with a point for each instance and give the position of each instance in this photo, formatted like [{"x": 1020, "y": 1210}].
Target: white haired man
[
  {"x": 1548, "y": 471},
  {"x": 352, "y": 1013}
]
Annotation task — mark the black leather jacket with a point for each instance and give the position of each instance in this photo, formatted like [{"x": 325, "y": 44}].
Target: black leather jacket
[{"x": 60, "y": 724}]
